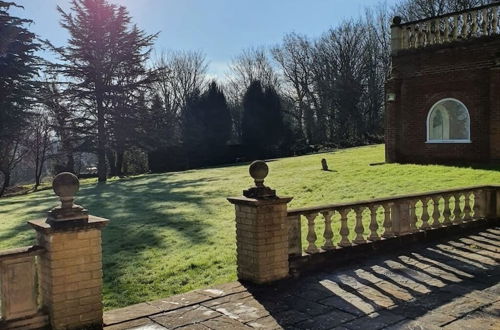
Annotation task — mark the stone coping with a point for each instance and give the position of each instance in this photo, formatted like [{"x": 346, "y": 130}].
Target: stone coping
[
  {"x": 26, "y": 251},
  {"x": 63, "y": 226}
]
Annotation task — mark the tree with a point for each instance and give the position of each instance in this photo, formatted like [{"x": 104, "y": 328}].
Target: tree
[
  {"x": 207, "y": 126},
  {"x": 105, "y": 64},
  {"x": 38, "y": 144},
  {"x": 18, "y": 67},
  {"x": 262, "y": 124},
  {"x": 411, "y": 10},
  {"x": 251, "y": 65}
]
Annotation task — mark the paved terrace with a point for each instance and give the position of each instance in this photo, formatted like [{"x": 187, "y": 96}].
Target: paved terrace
[{"x": 452, "y": 284}]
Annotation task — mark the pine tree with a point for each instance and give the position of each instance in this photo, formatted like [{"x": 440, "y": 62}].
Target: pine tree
[
  {"x": 207, "y": 126},
  {"x": 105, "y": 63},
  {"x": 18, "y": 67},
  {"x": 262, "y": 124}
]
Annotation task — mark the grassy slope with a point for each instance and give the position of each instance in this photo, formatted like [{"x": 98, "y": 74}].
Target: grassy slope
[{"x": 174, "y": 232}]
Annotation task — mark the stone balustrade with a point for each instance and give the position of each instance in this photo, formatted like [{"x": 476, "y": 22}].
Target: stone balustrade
[
  {"x": 474, "y": 23},
  {"x": 58, "y": 282},
  {"x": 19, "y": 295},
  {"x": 274, "y": 242},
  {"x": 343, "y": 225}
]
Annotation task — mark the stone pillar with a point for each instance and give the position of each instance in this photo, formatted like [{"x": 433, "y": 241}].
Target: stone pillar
[
  {"x": 400, "y": 218},
  {"x": 71, "y": 268},
  {"x": 261, "y": 230},
  {"x": 396, "y": 35}
]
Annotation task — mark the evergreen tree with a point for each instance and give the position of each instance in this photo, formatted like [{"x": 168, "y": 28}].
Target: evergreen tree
[
  {"x": 105, "y": 63},
  {"x": 262, "y": 124},
  {"x": 206, "y": 126},
  {"x": 18, "y": 66}
]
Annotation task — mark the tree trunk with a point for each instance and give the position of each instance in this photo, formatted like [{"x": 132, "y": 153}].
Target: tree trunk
[
  {"x": 119, "y": 163},
  {"x": 112, "y": 163},
  {"x": 6, "y": 182},
  {"x": 101, "y": 141}
]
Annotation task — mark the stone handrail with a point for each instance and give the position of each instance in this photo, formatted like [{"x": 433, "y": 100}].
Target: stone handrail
[
  {"x": 347, "y": 224},
  {"x": 462, "y": 25},
  {"x": 19, "y": 294}
]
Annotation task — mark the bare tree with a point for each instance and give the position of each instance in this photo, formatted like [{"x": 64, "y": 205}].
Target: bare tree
[
  {"x": 181, "y": 74},
  {"x": 251, "y": 65},
  {"x": 411, "y": 10},
  {"x": 295, "y": 57},
  {"x": 38, "y": 143},
  {"x": 13, "y": 152}
]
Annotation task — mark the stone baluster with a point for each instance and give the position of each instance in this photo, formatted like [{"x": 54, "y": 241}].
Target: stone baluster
[
  {"x": 437, "y": 31},
  {"x": 447, "y": 210},
  {"x": 474, "y": 25},
  {"x": 411, "y": 37},
  {"x": 463, "y": 32},
  {"x": 359, "y": 229},
  {"x": 427, "y": 34},
  {"x": 494, "y": 21},
  {"x": 328, "y": 234},
  {"x": 484, "y": 23},
  {"x": 425, "y": 213},
  {"x": 311, "y": 233},
  {"x": 388, "y": 232},
  {"x": 344, "y": 229},
  {"x": 446, "y": 33},
  {"x": 418, "y": 37},
  {"x": 457, "y": 212},
  {"x": 373, "y": 223},
  {"x": 436, "y": 214},
  {"x": 454, "y": 32},
  {"x": 467, "y": 206}
]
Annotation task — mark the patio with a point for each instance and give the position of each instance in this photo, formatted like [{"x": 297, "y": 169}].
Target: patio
[{"x": 452, "y": 283}]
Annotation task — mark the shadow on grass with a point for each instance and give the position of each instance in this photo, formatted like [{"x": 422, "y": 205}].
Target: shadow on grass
[{"x": 139, "y": 211}]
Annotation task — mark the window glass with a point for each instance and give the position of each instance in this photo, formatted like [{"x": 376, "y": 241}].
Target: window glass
[{"x": 448, "y": 120}]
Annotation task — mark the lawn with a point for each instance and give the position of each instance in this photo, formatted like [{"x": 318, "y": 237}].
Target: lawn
[{"x": 174, "y": 232}]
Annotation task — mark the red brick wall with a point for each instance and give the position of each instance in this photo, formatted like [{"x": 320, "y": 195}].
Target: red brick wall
[{"x": 462, "y": 70}]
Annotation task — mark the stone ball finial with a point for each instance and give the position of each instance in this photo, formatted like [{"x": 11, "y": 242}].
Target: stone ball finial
[
  {"x": 66, "y": 185},
  {"x": 258, "y": 171},
  {"x": 397, "y": 20}
]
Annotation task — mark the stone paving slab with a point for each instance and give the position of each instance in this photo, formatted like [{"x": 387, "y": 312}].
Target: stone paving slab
[{"x": 452, "y": 284}]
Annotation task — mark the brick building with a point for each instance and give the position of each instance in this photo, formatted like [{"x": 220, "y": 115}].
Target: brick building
[{"x": 443, "y": 96}]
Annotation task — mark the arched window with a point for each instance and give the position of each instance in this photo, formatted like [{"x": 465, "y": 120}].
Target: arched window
[{"x": 448, "y": 122}]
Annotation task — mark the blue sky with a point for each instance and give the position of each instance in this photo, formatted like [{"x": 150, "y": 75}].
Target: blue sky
[{"x": 219, "y": 28}]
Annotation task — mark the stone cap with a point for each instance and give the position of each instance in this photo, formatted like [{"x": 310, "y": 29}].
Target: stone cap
[
  {"x": 92, "y": 222},
  {"x": 258, "y": 202}
]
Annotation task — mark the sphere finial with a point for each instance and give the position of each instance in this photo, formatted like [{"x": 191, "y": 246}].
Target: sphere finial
[
  {"x": 66, "y": 185},
  {"x": 258, "y": 171}
]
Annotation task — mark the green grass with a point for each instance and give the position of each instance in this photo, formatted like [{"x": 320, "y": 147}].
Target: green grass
[{"x": 174, "y": 232}]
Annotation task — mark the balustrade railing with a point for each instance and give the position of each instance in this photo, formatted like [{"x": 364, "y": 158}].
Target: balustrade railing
[
  {"x": 19, "y": 288},
  {"x": 473, "y": 23},
  {"x": 343, "y": 225}
]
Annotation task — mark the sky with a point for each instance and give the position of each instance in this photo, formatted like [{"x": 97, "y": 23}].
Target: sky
[{"x": 220, "y": 29}]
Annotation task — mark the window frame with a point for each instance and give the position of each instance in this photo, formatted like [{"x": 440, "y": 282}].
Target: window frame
[{"x": 451, "y": 141}]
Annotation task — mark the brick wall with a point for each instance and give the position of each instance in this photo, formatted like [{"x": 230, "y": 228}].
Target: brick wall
[{"x": 420, "y": 78}]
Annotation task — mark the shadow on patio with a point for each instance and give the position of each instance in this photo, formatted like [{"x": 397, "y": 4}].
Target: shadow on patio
[{"x": 451, "y": 284}]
